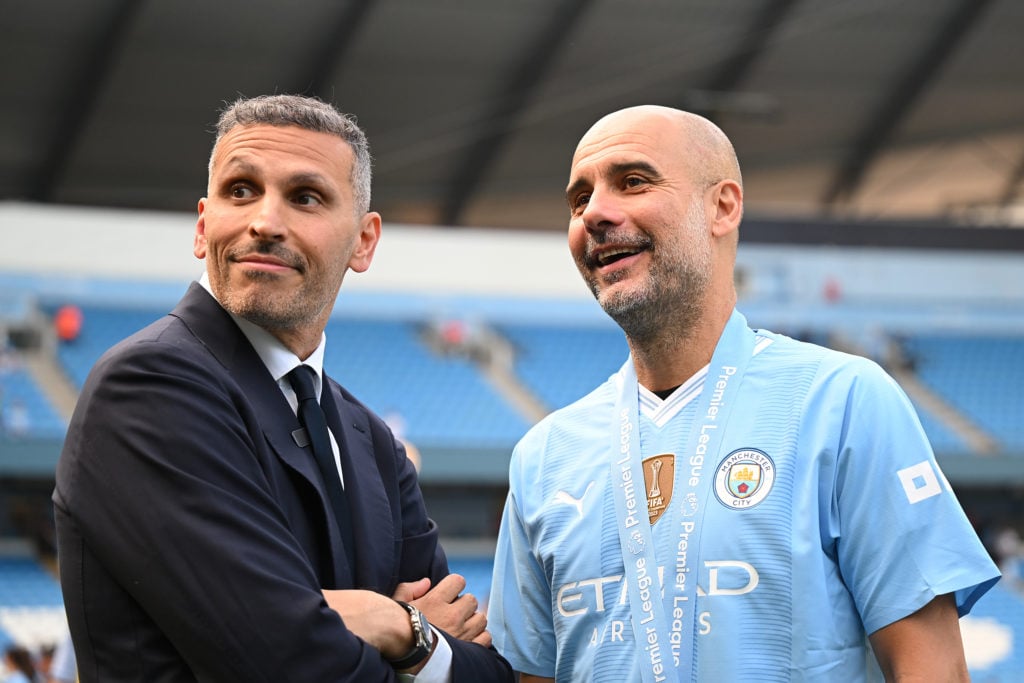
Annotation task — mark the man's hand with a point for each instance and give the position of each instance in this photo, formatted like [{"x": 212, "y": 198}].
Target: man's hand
[
  {"x": 454, "y": 614},
  {"x": 375, "y": 618}
]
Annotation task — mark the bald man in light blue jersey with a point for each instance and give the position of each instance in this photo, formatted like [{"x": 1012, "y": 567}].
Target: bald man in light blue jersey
[{"x": 732, "y": 504}]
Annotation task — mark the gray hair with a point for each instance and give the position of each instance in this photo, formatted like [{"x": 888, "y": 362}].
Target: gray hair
[{"x": 309, "y": 113}]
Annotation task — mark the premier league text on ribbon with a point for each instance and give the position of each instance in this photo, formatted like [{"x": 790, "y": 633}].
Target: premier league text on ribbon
[
  {"x": 643, "y": 578},
  {"x": 628, "y": 487}
]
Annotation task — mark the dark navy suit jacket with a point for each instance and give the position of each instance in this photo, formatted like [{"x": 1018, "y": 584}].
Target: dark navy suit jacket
[{"x": 194, "y": 533}]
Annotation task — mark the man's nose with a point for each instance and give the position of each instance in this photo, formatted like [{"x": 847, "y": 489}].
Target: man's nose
[
  {"x": 603, "y": 210},
  {"x": 268, "y": 221}
]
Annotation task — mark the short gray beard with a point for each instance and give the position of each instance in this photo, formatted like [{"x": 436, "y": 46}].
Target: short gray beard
[
  {"x": 670, "y": 302},
  {"x": 278, "y": 310},
  {"x": 673, "y": 308},
  {"x": 275, "y": 310},
  {"x": 270, "y": 313}
]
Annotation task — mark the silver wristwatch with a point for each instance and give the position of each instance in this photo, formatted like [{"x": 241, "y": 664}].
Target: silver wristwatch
[{"x": 422, "y": 639}]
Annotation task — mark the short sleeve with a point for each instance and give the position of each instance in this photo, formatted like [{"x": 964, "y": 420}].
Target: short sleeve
[{"x": 904, "y": 538}]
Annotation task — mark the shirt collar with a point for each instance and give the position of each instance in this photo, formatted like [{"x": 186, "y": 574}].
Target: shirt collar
[{"x": 275, "y": 356}]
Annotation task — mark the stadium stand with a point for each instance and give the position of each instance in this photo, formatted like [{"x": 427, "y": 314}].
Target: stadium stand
[
  {"x": 25, "y": 411},
  {"x": 102, "y": 327},
  {"x": 981, "y": 376},
  {"x": 31, "y": 607},
  {"x": 442, "y": 400},
  {"x": 992, "y": 636},
  {"x": 943, "y": 439},
  {"x": 383, "y": 362},
  {"x": 388, "y": 365},
  {"x": 562, "y": 363}
]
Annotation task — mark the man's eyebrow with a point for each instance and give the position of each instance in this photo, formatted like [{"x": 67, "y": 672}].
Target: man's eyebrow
[
  {"x": 615, "y": 170},
  {"x": 314, "y": 180},
  {"x": 628, "y": 166},
  {"x": 237, "y": 166}
]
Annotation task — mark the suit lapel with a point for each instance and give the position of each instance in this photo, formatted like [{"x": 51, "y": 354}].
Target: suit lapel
[
  {"x": 372, "y": 525},
  {"x": 214, "y": 327}
]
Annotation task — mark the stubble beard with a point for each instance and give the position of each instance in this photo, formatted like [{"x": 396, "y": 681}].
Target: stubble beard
[
  {"x": 268, "y": 304},
  {"x": 272, "y": 309},
  {"x": 667, "y": 300},
  {"x": 670, "y": 297}
]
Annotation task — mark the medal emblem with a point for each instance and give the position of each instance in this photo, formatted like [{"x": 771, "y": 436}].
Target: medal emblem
[{"x": 659, "y": 479}]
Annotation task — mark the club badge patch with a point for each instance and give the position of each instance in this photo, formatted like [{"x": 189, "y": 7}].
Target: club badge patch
[
  {"x": 659, "y": 479},
  {"x": 744, "y": 478}
]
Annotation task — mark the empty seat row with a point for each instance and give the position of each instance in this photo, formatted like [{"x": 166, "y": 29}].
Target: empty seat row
[{"x": 434, "y": 399}]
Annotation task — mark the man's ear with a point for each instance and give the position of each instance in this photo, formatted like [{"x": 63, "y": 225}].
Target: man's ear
[
  {"x": 199, "y": 239},
  {"x": 366, "y": 244},
  {"x": 727, "y": 205}
]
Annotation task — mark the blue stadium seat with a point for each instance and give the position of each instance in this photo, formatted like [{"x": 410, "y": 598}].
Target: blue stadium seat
[
  {"x": 102, "y": 327},
  {"x": 442, "y": 401},
  {"x": 994, "y": 636},
  {"x": 31, "y": 606},
  {"x": 25, "y": 411},
  {"x": 944, "y": 440},
  {"x": 981, "y": 376},
  {"x": 561, "y": 363}
]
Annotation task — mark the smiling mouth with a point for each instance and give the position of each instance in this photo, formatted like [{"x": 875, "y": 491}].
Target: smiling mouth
[
  {"x": 611, "y": 255},
  {"x": 615, "y": 255}
]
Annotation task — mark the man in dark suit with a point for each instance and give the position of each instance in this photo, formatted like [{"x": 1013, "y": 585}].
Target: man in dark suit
[{"x": 199, "y": 540}]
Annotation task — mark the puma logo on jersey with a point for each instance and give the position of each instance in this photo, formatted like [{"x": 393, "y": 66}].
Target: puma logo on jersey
[{"x": 568, "y": 499}]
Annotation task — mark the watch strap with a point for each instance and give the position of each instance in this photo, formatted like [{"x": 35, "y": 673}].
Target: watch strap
[{"x": 422, "y": 639}]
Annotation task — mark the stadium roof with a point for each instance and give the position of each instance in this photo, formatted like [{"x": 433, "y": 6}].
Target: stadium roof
[{"x": 864, "y": 110}]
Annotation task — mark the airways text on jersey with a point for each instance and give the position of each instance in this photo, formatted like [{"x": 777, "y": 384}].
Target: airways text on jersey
[{"x": 591, "y": 597}]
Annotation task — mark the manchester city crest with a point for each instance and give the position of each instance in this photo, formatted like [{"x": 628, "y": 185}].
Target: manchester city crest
[{"x": 744, "y": 478}]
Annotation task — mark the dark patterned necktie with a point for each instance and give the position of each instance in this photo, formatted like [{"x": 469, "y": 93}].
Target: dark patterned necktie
[{"x": 311, "y": 416}]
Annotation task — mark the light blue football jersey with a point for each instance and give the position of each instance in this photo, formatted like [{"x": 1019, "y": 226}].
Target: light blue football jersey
[{"x": 822, "y": 518}]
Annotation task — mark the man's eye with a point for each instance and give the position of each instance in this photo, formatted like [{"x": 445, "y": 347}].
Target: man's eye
[
  {"x": 634, "y": 181},
  {"x": 241, "y": 191},
  {"x": 307, "y": 199},
  {"x": 580, "y": 201}
]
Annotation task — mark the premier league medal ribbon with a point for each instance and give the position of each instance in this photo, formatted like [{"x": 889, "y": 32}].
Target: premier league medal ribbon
[{"x": 666, "y": 652}]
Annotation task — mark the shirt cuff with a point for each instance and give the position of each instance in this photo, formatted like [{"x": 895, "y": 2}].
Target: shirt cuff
[{"x": 438, "y": 668}]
